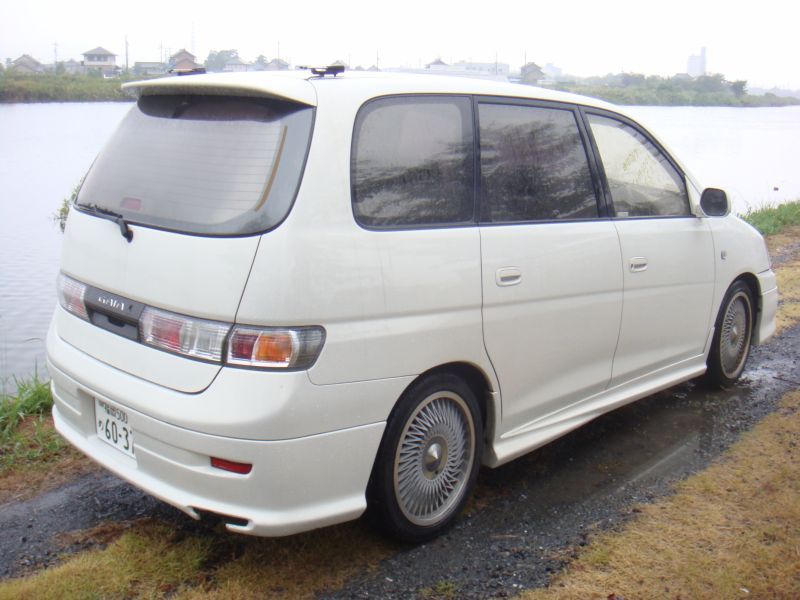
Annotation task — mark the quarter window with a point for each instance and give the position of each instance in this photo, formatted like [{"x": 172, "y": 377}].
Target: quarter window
[
  {"x": 413, "y": 162},
  {"x": 642, "y": 181},
  {"x": 533, "y": 165}
]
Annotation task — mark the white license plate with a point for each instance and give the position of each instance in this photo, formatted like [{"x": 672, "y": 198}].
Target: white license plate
[{"x": 113, "y": 427}]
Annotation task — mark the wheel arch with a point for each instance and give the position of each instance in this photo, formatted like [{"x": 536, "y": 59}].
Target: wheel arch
[
  {"x": 751, "y": 281},
  {"x": 480, "y": 384}
]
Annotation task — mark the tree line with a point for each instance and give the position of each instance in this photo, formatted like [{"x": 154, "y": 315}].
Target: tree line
[{"x": 679, "y": 90}]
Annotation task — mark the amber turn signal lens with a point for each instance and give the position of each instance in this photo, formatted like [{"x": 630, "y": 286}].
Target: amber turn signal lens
[{"x": 275, "y": 348}]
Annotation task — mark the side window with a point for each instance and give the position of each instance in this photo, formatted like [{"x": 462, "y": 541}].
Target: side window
[
  {"x": 533, "y": 165},
  {"x": 413, "y": 162},
  {"x": 643, "y": 182}
]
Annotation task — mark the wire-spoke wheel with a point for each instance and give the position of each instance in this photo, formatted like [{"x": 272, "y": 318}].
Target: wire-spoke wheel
[
  {"x": 429, "y": 458},
  {"x": 434, "y": 458},
  {"x": 734, "y": 332}
]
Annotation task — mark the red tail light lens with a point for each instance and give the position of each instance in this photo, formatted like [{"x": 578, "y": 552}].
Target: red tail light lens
[{"x": 196, "y": 338}]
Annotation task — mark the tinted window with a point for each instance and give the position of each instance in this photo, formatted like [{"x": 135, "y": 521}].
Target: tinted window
[
  {"x": 533, "y": 165},
  {"x": 643, "y": 182},
  {"x": 412, "y": 162},
  {"x": 202, "y": 164}
]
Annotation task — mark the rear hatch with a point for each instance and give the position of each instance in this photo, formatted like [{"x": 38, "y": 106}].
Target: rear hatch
[{"x": 196, "y": 177}]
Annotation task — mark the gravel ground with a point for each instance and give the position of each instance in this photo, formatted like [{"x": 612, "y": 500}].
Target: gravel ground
[
  {"x": 547, "y": 502},
  {"x": 530, "y": 515}
]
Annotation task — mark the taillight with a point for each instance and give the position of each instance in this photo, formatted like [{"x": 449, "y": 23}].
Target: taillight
[
  {"x": 197, "y": 338},
  {"x": 288, "y": 348},
  {"x": 275, "y": 347},
  {"x": 71, "y": 296}
]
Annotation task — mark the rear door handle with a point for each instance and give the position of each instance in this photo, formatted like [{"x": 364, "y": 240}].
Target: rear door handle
[
  {"x": 638, "y": 264},
  {"x": 508, "y": 276}
]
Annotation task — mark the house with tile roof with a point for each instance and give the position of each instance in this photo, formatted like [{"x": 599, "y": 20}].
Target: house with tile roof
[
  {"x": 102, "y": 60},
  {"x": 26, "y": 64}
]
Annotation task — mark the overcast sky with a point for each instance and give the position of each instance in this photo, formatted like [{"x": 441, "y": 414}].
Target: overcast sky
[{"x": 757, "y": 43}]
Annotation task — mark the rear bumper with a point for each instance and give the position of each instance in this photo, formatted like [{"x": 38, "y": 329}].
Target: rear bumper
[
  {"x": 312, "y": 447},
  {"x": 295, "y": 485}
]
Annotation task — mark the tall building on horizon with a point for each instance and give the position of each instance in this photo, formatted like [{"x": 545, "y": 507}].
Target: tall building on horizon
[{"x": 696, "y": 65}]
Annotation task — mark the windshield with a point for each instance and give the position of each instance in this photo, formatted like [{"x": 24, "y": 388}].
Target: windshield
[{"x": 210, "y": 165}]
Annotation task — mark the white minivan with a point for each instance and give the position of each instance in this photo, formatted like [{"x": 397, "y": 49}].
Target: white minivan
[{"x": 286, "y": 298}]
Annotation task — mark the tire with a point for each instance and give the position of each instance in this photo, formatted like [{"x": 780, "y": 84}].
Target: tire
[
  {"x": 732, "y": 336},
  {"x": 428, "y": 459}
]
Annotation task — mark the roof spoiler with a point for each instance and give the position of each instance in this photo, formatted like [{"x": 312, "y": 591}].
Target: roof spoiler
[{"x": 292, "y": 89}]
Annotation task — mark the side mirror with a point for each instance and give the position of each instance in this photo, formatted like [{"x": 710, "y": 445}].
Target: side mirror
[{"x": 714, "y": 202}]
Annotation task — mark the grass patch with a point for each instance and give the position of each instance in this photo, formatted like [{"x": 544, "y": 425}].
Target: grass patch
[
  {"x": 788, "y": 294},
  {"x": 154, "y": 561},
  {"x": 151, "y": 559},
  {"x": 29, "y": 445},
  {"x": 301, "y": 566},
  {"x": 771, "y": 220},
  {"x": 26, "y": 436},
  {"x": 729, "y": 532},
  {"x": 442, "y": 590}
]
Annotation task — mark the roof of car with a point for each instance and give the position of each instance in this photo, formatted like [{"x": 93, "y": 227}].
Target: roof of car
[{"x": 303, "y": 87}]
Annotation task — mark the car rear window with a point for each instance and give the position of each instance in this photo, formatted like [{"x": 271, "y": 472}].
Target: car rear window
[{"x": 210, "y": 165}]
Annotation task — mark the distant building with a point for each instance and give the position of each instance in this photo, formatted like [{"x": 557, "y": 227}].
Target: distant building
[
  {"x": 276, "y": 64},
  {"x": 437, "y": 65},
  {"x": 696, "y": 65},
  {"x": 26, "y": 64},
  {"x": 494, "y": 70},
  {"x": 235, "y": 65},
  {"x": 552, "y": 72},
  {"x": 531, "y": 74},
  {"x": 149, "y": 69},
  {"x": 72, "y": 67},
  {"x": 183, "y": 60},
  {"x": 100, "y": 60}
]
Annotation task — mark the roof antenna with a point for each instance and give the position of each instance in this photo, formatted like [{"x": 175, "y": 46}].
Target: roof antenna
[{"x": 322, "y": 71}]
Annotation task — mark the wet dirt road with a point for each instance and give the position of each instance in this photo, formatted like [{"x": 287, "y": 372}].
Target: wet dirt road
[{"x": 529, "y": 516}]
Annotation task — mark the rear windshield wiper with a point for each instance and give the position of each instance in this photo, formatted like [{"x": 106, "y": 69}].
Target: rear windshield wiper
[{"x": 104, "y": 213}]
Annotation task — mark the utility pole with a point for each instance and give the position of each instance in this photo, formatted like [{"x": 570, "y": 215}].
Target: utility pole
[
  {"x": 55, "y": 56},
  {"x": 126, "y": 54}
]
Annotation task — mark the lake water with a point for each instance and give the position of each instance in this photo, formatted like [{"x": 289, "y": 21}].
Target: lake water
[{"x": 46, "y": 148}]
